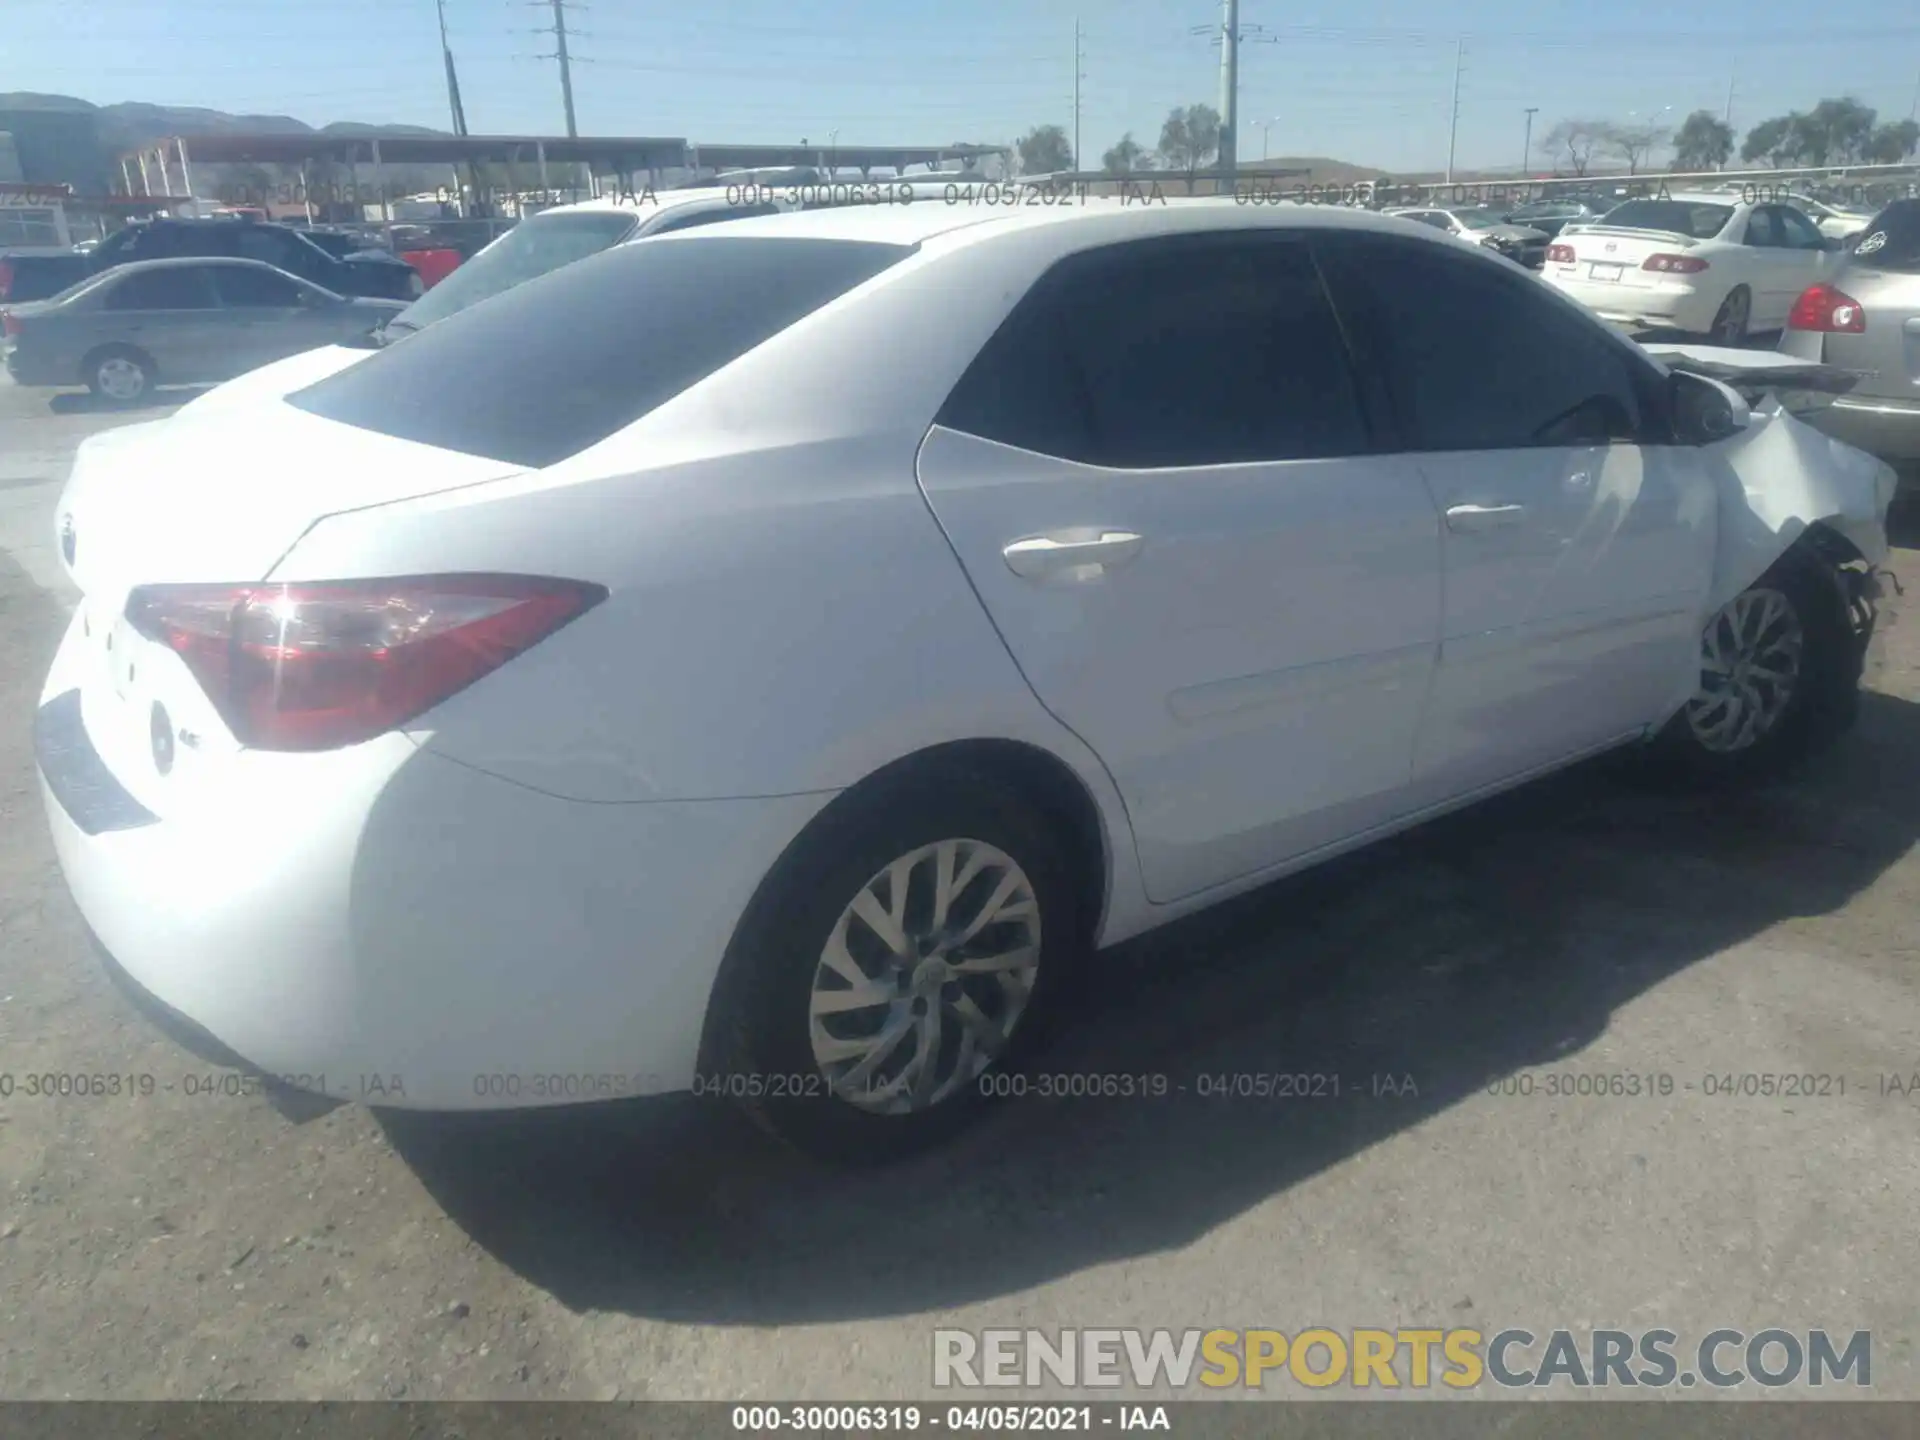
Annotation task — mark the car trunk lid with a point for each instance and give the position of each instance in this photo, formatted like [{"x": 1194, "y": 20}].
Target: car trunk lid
[{"x": 221, "y": 496}]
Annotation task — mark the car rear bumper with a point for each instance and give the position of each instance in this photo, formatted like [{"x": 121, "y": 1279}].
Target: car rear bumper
[
  {"x": 429, "y": 938},
  {"x": 1653, "y": 307},
  {"x": 1889, "y": 429},
  {"x": 25, "y": 369}
]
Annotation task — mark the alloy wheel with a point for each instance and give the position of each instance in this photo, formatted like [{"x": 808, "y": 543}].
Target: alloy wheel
[
  {"x": 120, "y": 378},
  {"x": 1750, "y": 665},
  {"x": 925, "y": 976}
]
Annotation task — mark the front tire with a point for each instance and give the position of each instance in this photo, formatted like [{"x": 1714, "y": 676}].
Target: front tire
[
  {"x": 1779, "y": 680},
  {"x": 893, "y": 963}
]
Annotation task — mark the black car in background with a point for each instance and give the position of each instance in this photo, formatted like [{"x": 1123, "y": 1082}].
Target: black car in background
[
  {"x": 1552, "y": 216},
  {"x": 372, "y": 274}
]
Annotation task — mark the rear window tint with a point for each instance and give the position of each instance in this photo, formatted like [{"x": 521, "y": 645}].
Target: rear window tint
[
  {"x": 560, "y": 363},
  {"x": 1678, "y": 217},
  {"x": 1891, "y": 240}
]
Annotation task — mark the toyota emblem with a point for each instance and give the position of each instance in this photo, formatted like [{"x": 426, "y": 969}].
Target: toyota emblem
[{"x": 1611, "y": 247}]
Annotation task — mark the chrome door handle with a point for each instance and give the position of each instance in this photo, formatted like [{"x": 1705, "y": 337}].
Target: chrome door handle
[
  {"x": 1044, "y": 555},
  {"x": 1484, "y": 517}
]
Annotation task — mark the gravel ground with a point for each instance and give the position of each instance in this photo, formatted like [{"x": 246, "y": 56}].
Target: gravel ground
[{"x": 179, "y": 1246}]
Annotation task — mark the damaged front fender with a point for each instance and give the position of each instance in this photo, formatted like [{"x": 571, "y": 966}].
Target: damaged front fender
[
  {"x": 1778, "y": 478},
  {"x": 1775, "y": 479}
]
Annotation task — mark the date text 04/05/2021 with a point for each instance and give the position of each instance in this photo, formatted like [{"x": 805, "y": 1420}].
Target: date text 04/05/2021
[{"x": 954, "y": 1419}]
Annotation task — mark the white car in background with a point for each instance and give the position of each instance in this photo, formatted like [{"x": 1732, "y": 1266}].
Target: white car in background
[
  {"x": 1704, "y": 263},
  {"x": 764, "y": 660},
  {"x": 1837, "y": 222}
]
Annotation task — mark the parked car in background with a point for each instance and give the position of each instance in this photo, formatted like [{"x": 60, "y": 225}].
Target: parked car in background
[
  {"x": 1838, "y": 222},
  {"x": 34, "y": 273},
  {"x": 507, "y": 627},
  {"x": 1865, "y": 317},
  {"x": 1702, "y": 263},
  {"x": 340, "y": 243},
  {"x": 176, "y": 322},
  {"x": 374, "y": 274},
  {"x": 539, "y": 244},
  {"x": 1478, "y": 225},
  {"x": 1550, "y": 216}
]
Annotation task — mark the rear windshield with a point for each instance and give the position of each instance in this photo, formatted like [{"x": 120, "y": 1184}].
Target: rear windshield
[
  {"x": 1891, "y": 240},
  {"x": 545, "y": 370},
  {"x": 1680, "y": 217},
  {"x": 526, "y": 252}
]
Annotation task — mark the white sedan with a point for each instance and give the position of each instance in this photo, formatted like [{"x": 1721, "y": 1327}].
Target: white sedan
[
  {"x": 767, "y": 660},
  {"x": 1706, "y": 264}
]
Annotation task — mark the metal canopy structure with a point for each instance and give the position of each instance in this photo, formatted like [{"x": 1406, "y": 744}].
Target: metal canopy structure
[
  {"x": 624, "y": 156},
  {"x": 629, "y": 153},
  {"x": 847, "y": 157}
]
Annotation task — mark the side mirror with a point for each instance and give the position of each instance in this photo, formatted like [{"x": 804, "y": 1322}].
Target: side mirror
[{"x": 1705, "y": 411}]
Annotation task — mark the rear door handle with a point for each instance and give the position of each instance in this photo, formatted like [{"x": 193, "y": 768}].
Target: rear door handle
[
  {"x": 1484, "y": 517},
  {"x": 1044, "y": 555}
]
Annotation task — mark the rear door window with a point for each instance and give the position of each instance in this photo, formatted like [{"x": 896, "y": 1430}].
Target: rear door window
[
  {"x": 1891, "y": 240},
  {"x": 560, "y": 363}
]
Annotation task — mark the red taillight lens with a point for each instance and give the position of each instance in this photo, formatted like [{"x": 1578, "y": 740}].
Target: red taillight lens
[
  {"x": 1560, "y": 254},
  {"x": 315, "y": 667},
  {"x": 1675, "y": 264},
  {"x": 1821, "y": 307}
]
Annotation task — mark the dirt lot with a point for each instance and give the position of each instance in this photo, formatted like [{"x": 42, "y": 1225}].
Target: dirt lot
[{"x": 199, "y": 1246}]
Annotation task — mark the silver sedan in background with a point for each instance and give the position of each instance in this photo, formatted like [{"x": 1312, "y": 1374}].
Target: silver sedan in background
[
  {"x": 1865, "y": 317},
  {"x": 177, "y": 322}
]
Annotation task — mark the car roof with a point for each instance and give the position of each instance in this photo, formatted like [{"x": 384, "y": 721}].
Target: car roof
[
  {"x": 922, "y": 221},
  {"x": 650, "y": 200},
  {"x": 175, "y": 262}
]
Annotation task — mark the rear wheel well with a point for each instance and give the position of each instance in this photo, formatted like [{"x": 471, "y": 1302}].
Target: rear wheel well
[{"x": 1035, "y": 776}]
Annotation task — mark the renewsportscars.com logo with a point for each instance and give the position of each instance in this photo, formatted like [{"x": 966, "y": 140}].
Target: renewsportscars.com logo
[{"x": 1383, "y": 1359}]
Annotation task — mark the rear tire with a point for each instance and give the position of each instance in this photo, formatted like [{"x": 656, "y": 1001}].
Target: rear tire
[
  {"x": 863, "y": 1080},
  {"x": 1731, "y": 321},
  {"x": 119, "y": 374},
  {"x": 1780, "y": 679}
]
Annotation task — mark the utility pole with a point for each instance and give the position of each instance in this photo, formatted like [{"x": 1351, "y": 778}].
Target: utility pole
[
  {"x": 453, "y": 81},
  {"x": 559, "y": 33},
  {"x": 1229, "y": 87},
  {"x": 1453, "y": 126},
  {"x": 1078, "y": 76},
  {"x": 1727, "y": 119},
  {"x": 1526, "y": 147}
]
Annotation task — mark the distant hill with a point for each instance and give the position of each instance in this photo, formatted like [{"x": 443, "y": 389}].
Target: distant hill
[{"x": 131, "y": 123}]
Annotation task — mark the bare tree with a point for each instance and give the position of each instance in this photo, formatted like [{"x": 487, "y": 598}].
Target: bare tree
[
  {"x": 1573, "y": 141},
  {"x": 1633, "y": 142}
]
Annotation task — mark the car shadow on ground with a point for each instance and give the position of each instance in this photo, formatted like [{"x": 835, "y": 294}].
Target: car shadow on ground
[
  {"x": 85, "y": 402},
  {"x": 1497, "y": 939}
]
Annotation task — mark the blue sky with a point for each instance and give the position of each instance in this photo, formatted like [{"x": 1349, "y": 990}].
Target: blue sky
[{"x": 1366, "y": 80}]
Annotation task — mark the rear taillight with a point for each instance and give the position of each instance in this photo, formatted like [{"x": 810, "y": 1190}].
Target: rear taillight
[
  {"x": 1675, "y": 264},
  {"x": 6, "y": 278},
  {"x": 1560, "y": 254},
  {"x": 1821, "y": 307},
  {"x": 315, "y": 667}
]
